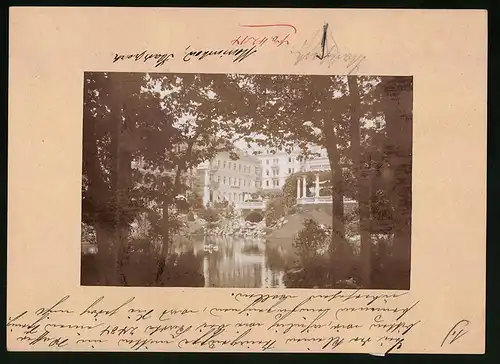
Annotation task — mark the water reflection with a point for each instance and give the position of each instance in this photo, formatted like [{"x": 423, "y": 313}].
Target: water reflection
[{"x": 239, "y": 262}]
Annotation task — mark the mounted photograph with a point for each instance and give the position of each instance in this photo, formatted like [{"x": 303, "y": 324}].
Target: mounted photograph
[{"x": 246, "y": 180}]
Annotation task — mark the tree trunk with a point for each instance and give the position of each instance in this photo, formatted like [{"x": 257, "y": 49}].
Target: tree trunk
[
  {"x": 104, "y": 257},
  {"x": 166, "y": 202},
  {"x": 397, "y": 107},
  {"x": 362, "y": 184},
  {"x": 378, "y": 222},
  {"x": 162, "y": 259},
  {"x": 97, "y": 200},
  {"x": 338, "y": 244},
  {"x": 121, "y": 181}
]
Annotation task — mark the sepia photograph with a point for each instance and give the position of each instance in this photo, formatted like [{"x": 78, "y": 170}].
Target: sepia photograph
[{"x": 246, "y": 180}]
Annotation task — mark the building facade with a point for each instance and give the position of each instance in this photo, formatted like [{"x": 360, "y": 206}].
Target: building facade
[
  {"x": 225, "y": 179},
  {"x": 277, "y": 167}
]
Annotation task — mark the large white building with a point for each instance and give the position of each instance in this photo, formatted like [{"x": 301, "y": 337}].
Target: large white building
[
  {"x": 225, "y": 179},
  {"x": 277, "y": 167}
]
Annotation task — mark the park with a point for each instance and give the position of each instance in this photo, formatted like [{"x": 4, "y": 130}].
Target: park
[{"x": 223, "y": 180}]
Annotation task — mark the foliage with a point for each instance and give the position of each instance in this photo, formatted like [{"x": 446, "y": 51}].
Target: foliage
[
  {"x": 209, "y": 214},
  {"x": 310, "y": 240},
  {"x": 195, "y": 201},
  {"x": 275, "y": 209},
  {"x": 113, "y": 107},
  {"x": 140, "y": 227},
  {"x": 88, "y": 234},
  {"x": 221, "y": 204},
  {"x": 228, "y": 211},
  {"x": 326, "y": 191},
  {"x": 170, "y": 124},
  {"x": 190, "y": 216}
]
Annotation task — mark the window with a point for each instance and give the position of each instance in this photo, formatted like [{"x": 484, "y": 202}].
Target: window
[
  {"x": 229, "y": 165},
  {"x": 224, "y": 164},
  {"x": 267, "y": 161},
  {"x": 267, "y": 183},
  {"x": 218, "y": 179},
  {"x": 224, "y": 180},
  {"x": 289, "y": 170},
  {"x": 239, "y": 167},
  {"x": 234, "y": 166},
  {"x": 230, "y": 181},
  {"x": 267, "y": 172},
  {"x": 218, "y": 163},
  {"x": 289, "y": 159}
]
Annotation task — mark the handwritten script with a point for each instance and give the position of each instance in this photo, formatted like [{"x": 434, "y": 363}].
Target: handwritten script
[
  {"x": 341, "y": 321},
  {"x": 323, "y": 49},
  {"x": 319, "y": 49}
]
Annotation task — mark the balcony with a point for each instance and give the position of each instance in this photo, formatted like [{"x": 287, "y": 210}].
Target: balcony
[
  {"x": 251, "y": 205},
  {"x": 321, "y": 200}
]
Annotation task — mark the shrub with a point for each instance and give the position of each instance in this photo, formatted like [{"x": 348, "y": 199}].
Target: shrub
[
  {"x": 274, "y": 210},
  {"x": 325, "y": 191},
  {"x": 229, "y": 211},
  {"x": 311, "y": 238},
  {"x": 195, "y": 201},
  {"x": 209, "y": 214},
  {"x": 221, "y": 204},
  {"x": 292, "y": 210},
  {"x": 88, "y": 234},
  {"x": 212, "y": 225},
  {"x": 190, "y": 216},
  {"x": 199, "y": 231}
]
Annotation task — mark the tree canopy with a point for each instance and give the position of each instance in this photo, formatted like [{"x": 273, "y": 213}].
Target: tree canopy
[{"x": 142, "y": 132}]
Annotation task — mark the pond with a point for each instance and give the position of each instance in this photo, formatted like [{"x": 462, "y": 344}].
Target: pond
[{"x": 239, "y": 262}]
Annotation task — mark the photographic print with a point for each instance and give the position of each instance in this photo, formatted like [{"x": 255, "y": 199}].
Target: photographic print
[{"x": 246, "y": 180}]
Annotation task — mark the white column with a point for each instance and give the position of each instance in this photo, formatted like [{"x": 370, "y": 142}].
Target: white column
[
  {"x": 298, "y": 187},
  {"x": 206, "y": 274},
  {"x": 206, "y": 188},
  {"x": 317, "y": 185},
  {"x": 304, "y": 187}
]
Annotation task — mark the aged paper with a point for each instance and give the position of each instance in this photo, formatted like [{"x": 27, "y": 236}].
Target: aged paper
[{"x": 315, "y": 92}]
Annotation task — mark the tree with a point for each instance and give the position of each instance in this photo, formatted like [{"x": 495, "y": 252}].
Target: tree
[
  {"x": 202, "y": 129},
  {"x": 124, "y": 123},
  {"x": 396, "y": 105},
  {"x": 361, "y": 166},
  {"x": 355, "y": 120},
  {"x": 112, "y": 106},
  {"x": 305, "y": 111}
]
